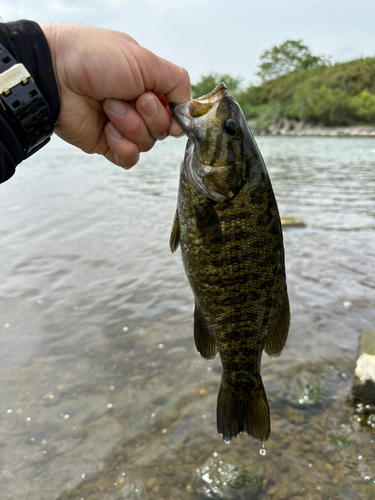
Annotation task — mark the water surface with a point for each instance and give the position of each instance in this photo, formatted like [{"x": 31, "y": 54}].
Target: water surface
[{"x": 103, "y": 395}]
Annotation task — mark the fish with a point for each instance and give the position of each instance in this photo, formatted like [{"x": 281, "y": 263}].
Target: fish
[{"x": 228, "y": 228}]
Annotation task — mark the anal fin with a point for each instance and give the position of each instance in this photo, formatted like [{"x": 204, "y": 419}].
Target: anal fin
[
  {"x": 276, "y": 339},
  {"x": 175, "y": 234},
  {"x": 204, "y": 342}
]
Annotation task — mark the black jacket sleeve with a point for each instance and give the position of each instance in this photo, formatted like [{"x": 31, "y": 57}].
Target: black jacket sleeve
[{"x": 26, "y": 42}]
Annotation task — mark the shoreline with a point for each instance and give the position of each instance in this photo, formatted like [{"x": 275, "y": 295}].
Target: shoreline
[{"x": 296, "y": 128}]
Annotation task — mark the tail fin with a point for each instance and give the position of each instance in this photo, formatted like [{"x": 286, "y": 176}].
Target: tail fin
[{"x": 243, "y": 412}]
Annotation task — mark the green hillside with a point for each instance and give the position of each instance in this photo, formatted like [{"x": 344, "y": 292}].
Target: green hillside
[{"x": 339, "y": 94}]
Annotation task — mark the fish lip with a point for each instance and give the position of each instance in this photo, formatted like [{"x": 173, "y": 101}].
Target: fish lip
[
  {"x": 181, "y": 111},
  {"x": 214, "y": 95}
]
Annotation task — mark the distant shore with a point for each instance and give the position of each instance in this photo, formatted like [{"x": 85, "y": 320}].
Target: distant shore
[{"x": 296, "y": 128}]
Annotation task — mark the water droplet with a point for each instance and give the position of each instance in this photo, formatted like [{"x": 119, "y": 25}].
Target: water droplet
[
  {"x": 32, "y": 439},
  {"x": 9, "y": 410},
  {"x": 45, "y": 452},
  {"x": 161, "y": 346},
  {"x": 7, "y": 325},
  {"x": 164, "y": 431},
  {"x": 153, "y": 415},
  {"x": 109, "y": 406},
  {"x": 347, "y": 304},
  {"x": 28, "y": 419},
  {"x": 114, "y": 484},
  {"x": 112, "y": 388},
  {"x": 263, "y": 451},
  {"x": 66, "y": 416},
  {"x": 360, "y": 457},
  {"x": 83, "y": 475},
  {"x": 136, "y": 490},
  {"x": 310, "y": 464},
  {"x": 226, "y": 441},
  {"x": 51, "y": 396},
  {"x": 204, "y": 417},
  {"x": 367, "y": 478},
  {"x": 123, "y": 474},
  {"x": 215, "y": 454},
  {"x": 209, "y": 369},
  {"x": 125, "y": 329}
]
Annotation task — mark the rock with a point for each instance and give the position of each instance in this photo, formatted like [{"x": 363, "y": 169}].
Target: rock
[
  {"x": 304, "y": 390},
  {"x": 134, "y": 491},
  {"x": 218, "y": 480},
  {"x": 296, "y": 415},
  {"x": 354, "y": 487},
  {"x": 363, "y": 385},
  {"x": 290, "y": 222}
]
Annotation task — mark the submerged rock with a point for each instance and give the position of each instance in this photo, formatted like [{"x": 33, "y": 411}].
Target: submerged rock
[
  {"x": 304, "y": 390},
  {"x": 290, "y": 222},
  {"x": 218, "y": 480},
  {"x": 356, "y": 487},
  {"x": 363, "y": 386},
  {"x": 134, "y": 491}
]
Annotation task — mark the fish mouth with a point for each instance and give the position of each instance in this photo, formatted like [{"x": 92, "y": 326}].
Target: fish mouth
[{"x": 185, "y": 112}]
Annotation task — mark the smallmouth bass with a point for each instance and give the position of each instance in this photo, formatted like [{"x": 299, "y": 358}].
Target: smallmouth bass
[{"x": 228, "y": 227}]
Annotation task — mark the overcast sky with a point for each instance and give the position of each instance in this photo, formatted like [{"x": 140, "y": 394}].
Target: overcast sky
[{"x": 217, "y": 35}]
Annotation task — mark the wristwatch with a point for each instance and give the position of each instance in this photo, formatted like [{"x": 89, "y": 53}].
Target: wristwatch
[{"x": 24, "y": 105}]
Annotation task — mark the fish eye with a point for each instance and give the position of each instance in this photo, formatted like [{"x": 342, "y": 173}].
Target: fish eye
[{"x": 230, "y": 126}]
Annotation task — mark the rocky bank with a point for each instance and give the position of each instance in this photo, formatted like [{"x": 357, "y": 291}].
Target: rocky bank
[{"x": 296, "y": 128}]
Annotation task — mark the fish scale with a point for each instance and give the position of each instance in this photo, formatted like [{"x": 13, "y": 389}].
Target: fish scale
[{"x": 228, "y": 227}]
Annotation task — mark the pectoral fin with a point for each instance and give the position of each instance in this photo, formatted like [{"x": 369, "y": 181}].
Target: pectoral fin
[
  {"x": 204, "y": 342},
  {"x": 175, "y": 234},
  {"x": 208, "y": 222}
]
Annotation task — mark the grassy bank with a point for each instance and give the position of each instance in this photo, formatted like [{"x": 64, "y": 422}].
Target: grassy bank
[{"x": 340, "y": 94}]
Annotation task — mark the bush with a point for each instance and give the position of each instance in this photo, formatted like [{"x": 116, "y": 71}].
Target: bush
[{"x": 363, "y": 106}]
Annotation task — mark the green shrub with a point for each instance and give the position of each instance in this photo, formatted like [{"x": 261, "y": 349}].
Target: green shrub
[{"x": 363, "y": 106}]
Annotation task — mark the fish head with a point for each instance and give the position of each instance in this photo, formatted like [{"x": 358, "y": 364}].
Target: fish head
[{"x": 216, "y": 158}]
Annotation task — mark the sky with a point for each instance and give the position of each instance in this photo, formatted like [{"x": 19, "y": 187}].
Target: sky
[{"x": 215, "y": 35}]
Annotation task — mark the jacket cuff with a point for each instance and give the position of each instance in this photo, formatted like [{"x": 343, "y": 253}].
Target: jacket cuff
[{"x": 25, "y": 40}]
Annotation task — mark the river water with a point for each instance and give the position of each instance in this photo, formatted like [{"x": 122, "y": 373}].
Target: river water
[{"x": 103, "y": 395}]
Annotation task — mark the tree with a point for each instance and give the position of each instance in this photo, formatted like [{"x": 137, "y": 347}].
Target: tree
[
  {"x": 290, "y": 56},
  {"x": 209, "y": 82}
]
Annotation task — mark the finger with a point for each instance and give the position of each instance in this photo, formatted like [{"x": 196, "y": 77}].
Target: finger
[
  {"x": 129, "y": 123},
  {"x": 175, "y": 129},
  {"x": 155, "y": 116},
  {"x": 163, "y": 77},
  {"x": 122, "y": 152}
]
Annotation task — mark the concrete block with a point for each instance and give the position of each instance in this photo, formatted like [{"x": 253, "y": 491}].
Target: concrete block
[{"x": 363, "y": 386}]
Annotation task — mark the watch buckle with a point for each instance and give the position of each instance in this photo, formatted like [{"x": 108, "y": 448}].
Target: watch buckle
[{"x": 13, "y": 76}]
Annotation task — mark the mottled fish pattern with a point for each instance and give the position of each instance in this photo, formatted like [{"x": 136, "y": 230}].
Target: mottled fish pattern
[{"x": 228, "y": 227}]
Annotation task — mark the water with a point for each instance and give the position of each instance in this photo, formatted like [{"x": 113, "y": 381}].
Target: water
[{"x": 103, "y": 395}]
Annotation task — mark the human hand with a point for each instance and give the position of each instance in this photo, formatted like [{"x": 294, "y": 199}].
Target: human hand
[{"x": 108, "y": 85}]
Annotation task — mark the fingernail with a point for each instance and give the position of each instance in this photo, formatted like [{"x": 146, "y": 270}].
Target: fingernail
[
  {"x": 116, "y": 106},
  {"x": 150, "y": 108},
  {"x": 114, "y": 132}
]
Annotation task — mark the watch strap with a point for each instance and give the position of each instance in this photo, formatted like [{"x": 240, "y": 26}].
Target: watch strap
[{"x": 25, "y": 106}]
